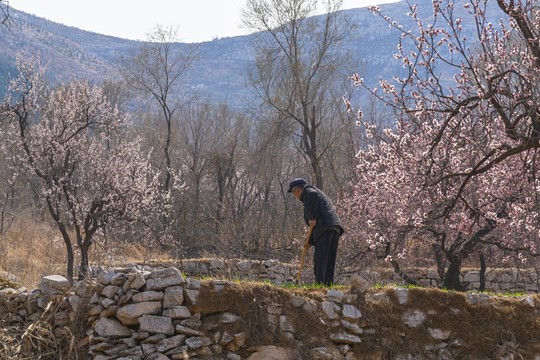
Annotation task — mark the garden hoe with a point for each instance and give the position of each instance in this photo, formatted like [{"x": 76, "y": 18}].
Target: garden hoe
[{"x": 303, "y": 254}]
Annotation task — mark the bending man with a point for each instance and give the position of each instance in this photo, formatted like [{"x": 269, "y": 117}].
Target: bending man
[{"x": 319, "y": 213}]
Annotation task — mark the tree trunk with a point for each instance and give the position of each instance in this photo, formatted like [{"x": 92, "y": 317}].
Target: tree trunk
[
  {"x": 67, "y": 241},
  {"x": 482, "y": 272},
  {"x": 440, "y": 259},
  {"x": 83, "y": 269},
  {"x": 167, "y": 154},
  {"x": 451, "y": 279},
  {"x": 70, "y": 257},
  {"x": 456, "y": 258}
]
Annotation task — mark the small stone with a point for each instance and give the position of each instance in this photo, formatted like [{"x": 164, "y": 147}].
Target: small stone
[
  {"x": 359, "y": 284},
  {"x": 188, "y": 331},
  {"x": 328, "y": 309},
  {"x": 402, "y": 295},
  {"x": 197, "y": 342},
  {"x": 109, "y": 291},
  {"x": 344, "y": 338},
  {"x": 148, "y": 296},
  {"x": 439, "y": 334},
  {"x": 177, "y": 312},
  {"x": 297, "y": 301},
  {"x": 170, "y": 343},
  {"x": 350, "y": 312},
  {"x": 335, "y": 296},
  {"x": 413, "y": 318},
  {"x": 228, "y": 318}
]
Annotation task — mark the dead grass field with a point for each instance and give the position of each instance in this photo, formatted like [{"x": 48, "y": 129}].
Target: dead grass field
[
  {"x": 30, "y": 251},
  {"x": 504, "y": 328}
]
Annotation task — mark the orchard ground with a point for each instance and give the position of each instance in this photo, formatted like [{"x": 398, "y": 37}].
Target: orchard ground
[{"x": 495, "y": 327}]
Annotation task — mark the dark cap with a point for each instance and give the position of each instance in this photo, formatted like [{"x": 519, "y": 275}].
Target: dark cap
[{"x": 296, "y": 182}]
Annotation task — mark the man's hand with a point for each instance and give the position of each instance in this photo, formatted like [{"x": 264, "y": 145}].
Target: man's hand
[{"x": 312, "y": 223}]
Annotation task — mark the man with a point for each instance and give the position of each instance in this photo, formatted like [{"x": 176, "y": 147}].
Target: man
[{"x": 319, "y": 213}]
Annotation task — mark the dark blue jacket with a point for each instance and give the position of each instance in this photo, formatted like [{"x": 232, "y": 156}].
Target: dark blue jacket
[{"x": 318, "y": 207}]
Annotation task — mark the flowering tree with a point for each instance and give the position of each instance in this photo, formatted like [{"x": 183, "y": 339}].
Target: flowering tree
[
  {"x": 459, "y": 171},
  {"x": 89, "y": 173}
]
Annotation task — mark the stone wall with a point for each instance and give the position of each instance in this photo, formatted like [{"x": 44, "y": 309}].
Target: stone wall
[
  {"x": 134, "y": 313},
  {"x": 496, "y": 280}
]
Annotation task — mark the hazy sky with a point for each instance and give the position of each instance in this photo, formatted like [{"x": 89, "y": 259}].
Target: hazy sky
[{"x": 197, "y": 20}]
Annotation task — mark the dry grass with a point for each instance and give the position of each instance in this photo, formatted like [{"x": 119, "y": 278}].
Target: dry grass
[
  {"x": 29, "y": 251},
  {"x": 501, "y": 327}
]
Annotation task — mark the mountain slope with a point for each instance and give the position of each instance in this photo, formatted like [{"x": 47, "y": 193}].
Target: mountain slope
[{"x": 72, "y": 52}]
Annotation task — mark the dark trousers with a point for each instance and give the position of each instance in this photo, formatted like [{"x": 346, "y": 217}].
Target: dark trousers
[{"x": 324, "y": 257}]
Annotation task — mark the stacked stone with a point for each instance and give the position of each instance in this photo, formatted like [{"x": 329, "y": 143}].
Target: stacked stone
[
  {"x": 256, "y": 270},
  {"x": 138, "y": 314},
  {"x": 497, "y": 280},
  {"x": 510, "y": 280},
  {"x": 48, "y": 303},
  {"x": 340, "y": 317},
  {"x": 142, "y": 314}
]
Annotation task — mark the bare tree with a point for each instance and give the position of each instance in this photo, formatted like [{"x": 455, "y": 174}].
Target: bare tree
[
  {"x": 300, "y": 59},
  {"x": 4, "y": 13},
  {"x": 196, "y": 139},
  {"x": 155, "y": 70}
]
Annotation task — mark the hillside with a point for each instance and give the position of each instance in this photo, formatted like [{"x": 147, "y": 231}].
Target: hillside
[{"x": 72, "y": 52}]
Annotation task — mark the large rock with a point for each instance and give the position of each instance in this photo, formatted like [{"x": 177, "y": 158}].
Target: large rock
[
  {"x": 156, "y": 324},
  {"x": 162, "y": 278},
  {"x": 228, "y": 318},
  {"x": 130, "y": 314},
  {"x": 107, "y": 327},
  {"x": 173, "y": 296},
  {"x": 472, "y": 276},
  {"x": 54, "y": 284},
  {"x": 325, "y": 353},
  {"x": 156, "y": 356},
  {"x": 188, "y": 331},
  {"x": 328, "y": 309},
  {"x": 195, "y": 267}
]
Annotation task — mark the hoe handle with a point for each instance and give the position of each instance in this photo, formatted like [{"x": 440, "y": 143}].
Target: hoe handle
[{"x": 304, "y": 254}]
